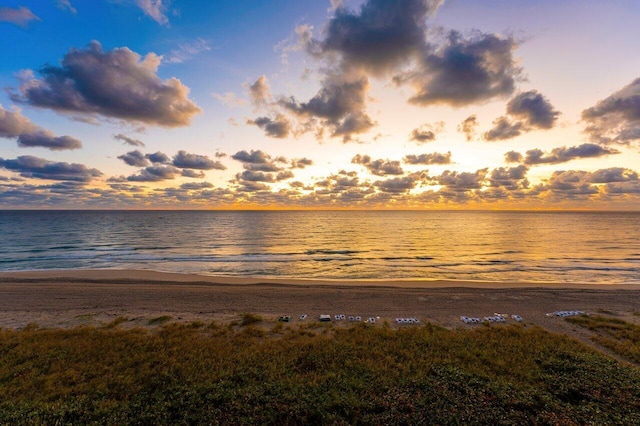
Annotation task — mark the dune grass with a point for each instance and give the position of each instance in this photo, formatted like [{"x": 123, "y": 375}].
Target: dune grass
[
  {"x": 314, "y": 374},
  {"x": 619, "y": 336}
]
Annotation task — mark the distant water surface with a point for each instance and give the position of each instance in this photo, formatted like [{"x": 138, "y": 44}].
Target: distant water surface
[{"x": 494, "y": 246}]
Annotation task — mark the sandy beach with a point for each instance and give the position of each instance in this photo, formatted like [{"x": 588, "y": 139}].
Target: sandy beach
[{"x": 95, "y": 297}]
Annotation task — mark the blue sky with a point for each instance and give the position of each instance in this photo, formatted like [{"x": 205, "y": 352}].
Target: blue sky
[{"x": 422, "y": 104}]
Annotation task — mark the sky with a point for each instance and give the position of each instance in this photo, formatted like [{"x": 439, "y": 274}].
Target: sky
[{"x": 320, "y": 104}]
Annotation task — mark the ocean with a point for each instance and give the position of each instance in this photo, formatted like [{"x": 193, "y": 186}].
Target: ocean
[{"x": 568, "y": 247}]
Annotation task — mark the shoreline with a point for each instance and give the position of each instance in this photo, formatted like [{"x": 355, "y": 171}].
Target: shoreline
[
  {"x": 114, "y": 276},
  {"x": 71, "y": 298}
]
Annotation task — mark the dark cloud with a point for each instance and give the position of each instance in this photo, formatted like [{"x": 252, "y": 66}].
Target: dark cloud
[
  {"x": 432, "y": 158},
  {"x": 425, "y": 133},
  {"x": 278, "y": 127},
  {"x": 533, "y": 110},
  {"x": 382, "y": 36},
  {"x": 526, "y": 111},
  {"x": 461, "y": 181},
  {"x": 20, "y": 16},
  {"x": 378, "y": 167},
  {"x": 300, "y": 163},
  {"x": 284, "y": 175},
  {"x": 513, "y": 157},
  {"x": 33, "y": 167},
  {"x": 615, "y": 119},
  {"x": 253, "y": 157},
  {"x": 117, "y": 83},
  {"x": 340, "y": 105},
  {"x": 156, "y": 174},
  {"x": 134, "y": 158},
  {"x": 571, "y": 184},
  {"x": 512, "y": 178},
  {"x": 503, "y": 129},
  {"x": 561, "y": 154},
  {"x": 185, "y": 160},
  {"x": 197, "y": 174},
  {"x": 158, "y": 158},
  {"x": 463, "y": 71},
  {"x": 196, "y": 186},
  {"x": 614, "y": 174},
  {"x": 14, "y": 125},
  {"x": 128, "y": 141},
  {"x": 396, "y": 185},
  {"x": 255, "y": 176}
]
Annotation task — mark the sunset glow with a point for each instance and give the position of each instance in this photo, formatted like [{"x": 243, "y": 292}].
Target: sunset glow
[{"x": 341, "y": 104}]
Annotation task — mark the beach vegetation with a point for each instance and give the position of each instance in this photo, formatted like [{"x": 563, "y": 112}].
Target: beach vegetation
[
  {"x": 159, "y": 320},
  {"x": 361, "y": 374},
  {"x": 615, "y": 334},
  {"x": 250, "y": 319}
]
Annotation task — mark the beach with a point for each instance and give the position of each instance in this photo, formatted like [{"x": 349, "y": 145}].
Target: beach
[{"x": 69, "y": 298}]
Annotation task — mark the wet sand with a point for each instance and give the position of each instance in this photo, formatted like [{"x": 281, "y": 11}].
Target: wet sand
[{"x": 73, "y": 298}]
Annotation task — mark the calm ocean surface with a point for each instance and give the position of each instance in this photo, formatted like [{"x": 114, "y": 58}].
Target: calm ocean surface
[{"x": 495, "y": 246}]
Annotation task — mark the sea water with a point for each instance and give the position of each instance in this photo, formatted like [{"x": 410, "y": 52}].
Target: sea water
[{"x": 583, "y": 247}]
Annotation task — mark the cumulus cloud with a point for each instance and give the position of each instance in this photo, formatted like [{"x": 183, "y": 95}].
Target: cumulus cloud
[
  {"x": 197, "y": 174},
  {"x": 259, "y": 91},
  {"x": 615, "y": 119},
  {"x": 340, "y": 104},
  {"x": 432, "y": 158},
  {"x": 185, "y": 160},
  {"x": 118, "y": 84},
  {"x": 396, "y": 185},
  {"x": 20, "y": 16},
  {"x": 380, "y": 37},
  {"x": 526, "y": 111},
  {"x": 156, "y": 174},
  {"x": 301, "y": 163},
  {"x": 461, "y": 181},
  {"x": 134, "y": 158},
  {"x": 128, "y": 140},
  {"x": 560, "y": 154},
  {"x": 259, "y": 161},
  {"x": 13, "y": 125},
  {"x": 229, "y": 99},
  {"x": 155, "y": 9},
  {"x": 34, "y": 167},
  {"x": 158, "y": 158},
  {"x": 468, "y": 127},
  {"x": 378, "y": 167},
  {"x": 278, "y": 127},
  {"x": 426, "y": 132},
  {"x": 463, "y": 71},
  {"x": 510, "y": 178}
]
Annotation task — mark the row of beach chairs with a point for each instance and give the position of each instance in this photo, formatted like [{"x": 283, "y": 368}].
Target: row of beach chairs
[{"x": 495, "y": 318}]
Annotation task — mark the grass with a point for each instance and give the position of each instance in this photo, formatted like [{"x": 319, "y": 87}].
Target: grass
[
  {"x": 621, "y": 337},
  {"x": 182, "y": 374},
  {"x": 159, "y": 320},
  {"x": 250, "y": 319}
]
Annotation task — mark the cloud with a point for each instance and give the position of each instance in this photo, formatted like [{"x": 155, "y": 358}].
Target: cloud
[
  {"x": 193, "y": 174},
  {"x": 158, "y": 158},
  {"x": 615, "y": 119},
  {"x": 127, "y": 140},
  {"x": 14, "y": 125},
  {"x": 463, "y": 71},
  {"x": 117, "y": 84},
  {"x": 66, "y": 5},
  {"x": 396, "y": 185},
  {"x": 426, "y": 132},
  {"x": 255, "y": 176},
  {"x": 279, "y": 127},
  {"x": 526, "y": 111},
  {"x": 461, "y": 181},
  {"x": 155, "y": 9},
  {"x": 155, "y": 174},
  {"x": 382, "y": 36},
  {"x": 259, "y": 91},
  {"x": 258, "y": 161},
  {"x": 301, "y": 163},
  {"x": 20, "y": 17},
  {"x": 186, "y": 51},
  {"x": 468, "y": 127},
  {"x": 184, "y": 160},
  {"x": 378, "y": 167},
  {"x": 340, "y": 104},
  {"x": 34, "y": 167},
  {"x": 561, "y": 154},
  {"x": 433, "y": 158},
  {"x": 503, "y": 129},
  {"x": 513, "y": 157},
  {"x": 512, "y": 178},
  {"x": 134, "y": 158},
  {"x": 229, "y": 99}
]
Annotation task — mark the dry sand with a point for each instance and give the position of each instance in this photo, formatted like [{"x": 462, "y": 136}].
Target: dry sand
[{"x": 72, "y": 298}]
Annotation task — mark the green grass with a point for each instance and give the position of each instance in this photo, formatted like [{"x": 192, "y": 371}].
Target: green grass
[
  {"x": 615, "y": 334},
  {"x": 181, "y": 374}
]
